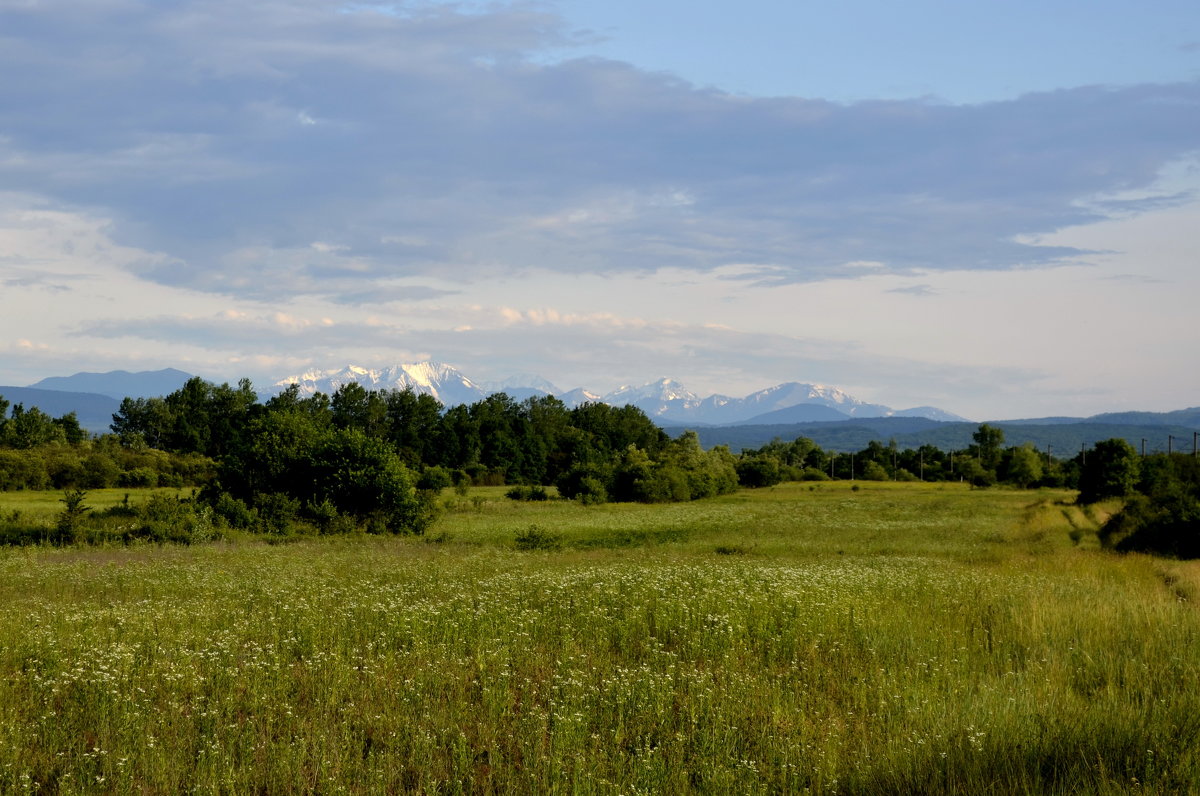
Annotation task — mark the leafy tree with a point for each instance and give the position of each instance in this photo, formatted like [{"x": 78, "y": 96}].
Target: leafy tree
[
  {"x": 873, "y": 471},
  {"x": 989, "y": 440},
  {"x": 1023, "y": 466},
  {"x": 1164, "y": 517},
  {"x": 759, "y": 471},
  {"x": 73, "y": 433},
  {"x": 29, "y": 428},
  {"x": 1110, "y": 470},
  {"x": 412, "y": 425}
]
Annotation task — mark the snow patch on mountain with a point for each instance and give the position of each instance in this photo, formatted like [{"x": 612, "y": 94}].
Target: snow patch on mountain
[{"x": 666, "y": 400}]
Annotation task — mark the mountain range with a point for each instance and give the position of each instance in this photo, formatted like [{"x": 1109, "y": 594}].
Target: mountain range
[
  {"x": 666, "y": 400},
  {"x": 834, "y": 419}
]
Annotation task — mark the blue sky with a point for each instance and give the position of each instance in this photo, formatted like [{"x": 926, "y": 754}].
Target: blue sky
[
  {"x": 987, "y": 207},
  {"x": 953, "y": 51}
]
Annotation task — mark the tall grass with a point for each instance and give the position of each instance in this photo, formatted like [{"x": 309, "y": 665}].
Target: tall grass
[{"x": 890, "y": 640}]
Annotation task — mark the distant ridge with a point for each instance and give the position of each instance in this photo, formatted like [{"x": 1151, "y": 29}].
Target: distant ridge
[
  {"x": 665, "y": 401},
  {"x": 94, "y": 411},
  {"x": 118, "y": 383},
  {"x": 1062, "y": 440},
  {"x": 786, "y": 410}
]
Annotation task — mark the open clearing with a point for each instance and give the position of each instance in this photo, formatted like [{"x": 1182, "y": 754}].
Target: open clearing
[{"x": 894, "y": 638}]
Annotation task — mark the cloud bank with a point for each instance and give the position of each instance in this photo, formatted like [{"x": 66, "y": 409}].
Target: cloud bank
[
  {"x": 422, "y": 139},
  {"x": 429, "y": 165}
]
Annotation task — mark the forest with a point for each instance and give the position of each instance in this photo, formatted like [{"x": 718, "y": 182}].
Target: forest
[{"x": 377, "y": 460}]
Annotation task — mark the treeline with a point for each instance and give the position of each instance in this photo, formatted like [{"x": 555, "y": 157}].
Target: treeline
[
  {"x": 374, "y": 460},
  {"x": 985, "y": 463},
  {"x": 1161, "y": 499},
  {"x": 41, "y": 452}
]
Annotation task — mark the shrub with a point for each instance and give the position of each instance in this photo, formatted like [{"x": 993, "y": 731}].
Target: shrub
[
  {"x": 434, "y": 479},
  {"x": 276, "y": 513},
  {"x": 533, "y": 493},
  {"x": 537, "y": 538},
  {"x": 813, "y": 474},
  {"x": 873, "y": 471},
  {"x": 759, "y": 471},
  {"x": 234, "y": 512},
  {"x": 163, "y": 518},
  {"x": 591, "y": 491},
  {"x": 138, "y": 478},
  {"x": 67, "y": 527}
]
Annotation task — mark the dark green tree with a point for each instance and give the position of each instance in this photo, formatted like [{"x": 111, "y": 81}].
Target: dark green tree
[
  {"x": 1110, "y": 469},
  {"x": 989, "y": 440},
  {"x": 1022, "y": 466}
]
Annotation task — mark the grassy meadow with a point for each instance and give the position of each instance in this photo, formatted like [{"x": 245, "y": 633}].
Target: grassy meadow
[{"x": 895, "y": 638}]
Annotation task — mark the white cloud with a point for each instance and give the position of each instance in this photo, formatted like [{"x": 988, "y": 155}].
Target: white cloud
[{"x": 249, "y": 186}]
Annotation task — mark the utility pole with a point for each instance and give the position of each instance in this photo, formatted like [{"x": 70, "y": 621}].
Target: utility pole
[
  {"x": 1170, "y": 439},
  {"x": 1083, "y": 453},
  {"x": 832, "y": 459},
  {"x": 1143, "y": 447},
  {"x": 921, "y": 456},
  {"x": 1194, "y": 435}
]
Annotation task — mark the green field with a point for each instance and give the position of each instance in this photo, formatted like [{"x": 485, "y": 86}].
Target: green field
[{"x": 889, "y": 639}]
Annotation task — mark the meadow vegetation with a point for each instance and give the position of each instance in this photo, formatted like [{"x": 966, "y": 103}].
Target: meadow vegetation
[{"x": 820, "y": 637}]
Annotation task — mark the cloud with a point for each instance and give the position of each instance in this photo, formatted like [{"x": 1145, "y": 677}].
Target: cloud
[
  {"x": 417, "y": 140},
  {"x": 571, "y": 349},
  {"x": 914, "y": 290}
]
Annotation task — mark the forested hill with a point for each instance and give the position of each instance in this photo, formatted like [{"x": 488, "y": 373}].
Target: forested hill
[
  {"x": 93, "y": 411},
  {"x": 1063, "y": 437}
]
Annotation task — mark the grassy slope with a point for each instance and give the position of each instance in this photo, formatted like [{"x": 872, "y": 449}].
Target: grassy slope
[{"x": 896, "y": 639}]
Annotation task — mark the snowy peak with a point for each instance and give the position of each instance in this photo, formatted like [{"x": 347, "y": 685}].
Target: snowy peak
[
  {"x": 525, "y": 382},
  {"x": 443, "y": 382},
  {"x": 665, "y": 400},
  {"x": 661, "y": 391},
  {"x": 578, "y": 397}
]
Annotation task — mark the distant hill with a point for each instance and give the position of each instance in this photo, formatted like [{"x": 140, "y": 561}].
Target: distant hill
[
  {"x": 93, "y": 410},
  {"x": 800, "y": 413},
  {"x": 1182, "y": 417},
  {"x": 1064, "y": 439},
  {"x": 118, "y": 383}
]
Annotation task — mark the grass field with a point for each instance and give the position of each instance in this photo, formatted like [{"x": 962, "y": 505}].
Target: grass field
[{"x": 890, "y": 639}]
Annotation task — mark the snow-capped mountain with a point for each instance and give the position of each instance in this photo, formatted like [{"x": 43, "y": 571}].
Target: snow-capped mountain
[
  {"x": 521, "y": 381},
  {"x": 669, "y": 400},
  {"x": 665, "y": 400},
  {"x": 578, "y": 397},
  {"x": 932, "y": 413},
  {"x": 783, "y": 396},
  {"x": 521, "y": 386},
  {"x": 443, "y": 382}
]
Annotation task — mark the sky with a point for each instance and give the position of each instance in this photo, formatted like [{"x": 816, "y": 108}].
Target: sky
[{"x": 988, "y": 207}]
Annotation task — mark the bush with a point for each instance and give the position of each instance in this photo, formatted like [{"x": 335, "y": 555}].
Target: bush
[
  {"x": 759, "y": 471},
  {"x": 591, "y": 491},
  {"x": 527, "y": 493},
  {"x": 67, "y": 527},
  {"x": 163, "y": 518},
  {"x": 277, "y": 513},
  {"x": 434, "y": 479},
  {"x": 138, "y": 478},
  {"x": 537, "y": 538},
  {"x": 234, "y": 512},
  {"x": 873, "y": 471}
]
